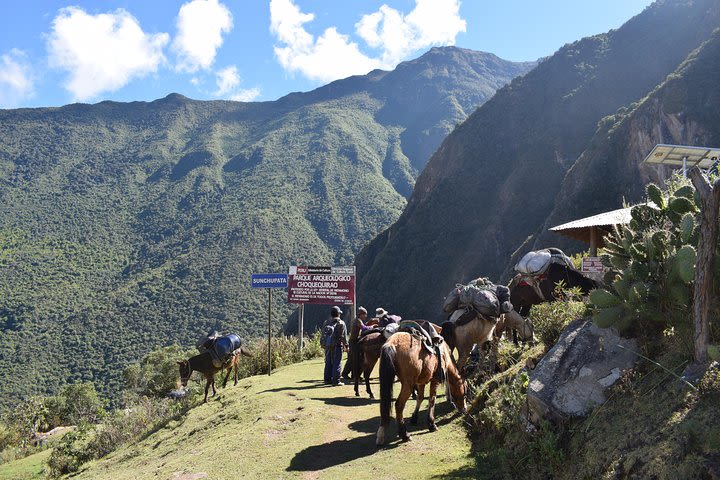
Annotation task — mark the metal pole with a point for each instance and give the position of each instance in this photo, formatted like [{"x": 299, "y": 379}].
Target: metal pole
[
  {"x": 301, "y": 315},
  {"x": 685, "y": 167},
  {"x": 269, "y": 330}
]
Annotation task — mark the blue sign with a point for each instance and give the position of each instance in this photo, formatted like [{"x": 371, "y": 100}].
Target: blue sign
[{"x": 269, "y": 280}]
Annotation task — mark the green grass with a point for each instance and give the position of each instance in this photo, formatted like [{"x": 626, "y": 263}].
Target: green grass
[
  {"x": 27, "y": 468},
  {"x": 289, "y": 425}
]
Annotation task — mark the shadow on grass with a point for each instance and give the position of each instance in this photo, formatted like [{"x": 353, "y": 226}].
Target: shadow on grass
[
  {"x": 326, "y": 455},
  {"x": 347, "y": 401},
  {"x": 312, "y": 384}
]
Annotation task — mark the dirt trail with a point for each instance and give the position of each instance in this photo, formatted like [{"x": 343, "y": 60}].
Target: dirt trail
[{"x": 289, "y": 425}]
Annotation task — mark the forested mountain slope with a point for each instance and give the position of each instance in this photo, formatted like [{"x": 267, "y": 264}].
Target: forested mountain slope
[
  {"x": 124, "y": 226},
  {"x": 684, "y": 109},
  {"x": 495, "y": 178}
]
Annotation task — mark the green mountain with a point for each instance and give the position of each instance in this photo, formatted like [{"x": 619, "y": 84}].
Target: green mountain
[
  {"x": 126, "y": 226},
  {"x": 496, "y": 178}
]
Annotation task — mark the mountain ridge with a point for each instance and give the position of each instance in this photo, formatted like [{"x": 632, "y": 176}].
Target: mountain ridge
[
  {"x": 494, "y": 179},
  {"x": 128, "y": 226}
]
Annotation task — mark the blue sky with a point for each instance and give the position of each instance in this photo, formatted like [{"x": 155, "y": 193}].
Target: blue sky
[{"x": 58, "y": 52}]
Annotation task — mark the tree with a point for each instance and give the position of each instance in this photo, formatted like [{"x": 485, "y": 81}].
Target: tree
[
  {"x": 28, "y": 418},
  {"x": 704, "y": 295}
]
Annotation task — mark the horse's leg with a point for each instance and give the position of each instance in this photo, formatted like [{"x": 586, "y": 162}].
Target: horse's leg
[
  {"x": 235, "y": 369},
  {"x": 207, "y": 387},
  {"x": 229, "y": 370},
  {"x": 399, "y": 407},
  {"x": 420, "y": 398},
  {"x": 431, "y": 406},
  {"x": 212, "y": 382},
  {"x": 368, "y": 371},
  {"x": 463, "y": 354}
]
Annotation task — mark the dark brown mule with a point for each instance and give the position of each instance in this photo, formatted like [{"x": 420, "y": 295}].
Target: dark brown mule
[
  {"x": 523, "y": 295},
  {"x": 203, "y": 363},
  {"x": 365, "y": 356},
  {"x": 367, "y": 353},
  {"x": 404, "y": 356}
]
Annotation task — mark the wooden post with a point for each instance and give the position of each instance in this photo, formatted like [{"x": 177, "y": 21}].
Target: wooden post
[
  {"x": 301, "y": 315},
  {"x": 269, "y": 330},
  {"x": 593, "y": 241},
  {"x": 703, "y": 295}
]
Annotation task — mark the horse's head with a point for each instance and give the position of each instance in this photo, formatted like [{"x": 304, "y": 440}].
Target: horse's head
[
  {"x": 185, "y": 371},
  {"x": 454, "y": 382},
  {"x": 457, "y": 394}
]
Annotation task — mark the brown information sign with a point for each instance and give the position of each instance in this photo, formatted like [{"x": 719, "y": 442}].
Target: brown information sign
[
  {"x": 592, "y": 265},
  {"x": 322, "y": 285}
]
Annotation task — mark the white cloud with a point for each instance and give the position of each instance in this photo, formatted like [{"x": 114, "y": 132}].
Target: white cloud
[
  {"x": 228, "y": 82},
  {"x": 102, "y": 52},
  {"x": 431, "y": 22},
  {"x": 247, "y": 95},
  {"x": 330, "y": 57},
  {"x": 333, "y": 55},
  {"x": 200, "y": 24},
  {"x": 16, "y": 82}
]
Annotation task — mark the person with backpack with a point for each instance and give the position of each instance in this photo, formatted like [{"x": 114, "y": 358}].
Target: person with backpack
[{"x": 334, "y": 341}]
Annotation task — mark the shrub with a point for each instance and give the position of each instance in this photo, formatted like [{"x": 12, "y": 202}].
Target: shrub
[
  {"x": 156, "y": 374},
  {"x": 550, "y": 318},
  {"x": 652, "y": 262}
]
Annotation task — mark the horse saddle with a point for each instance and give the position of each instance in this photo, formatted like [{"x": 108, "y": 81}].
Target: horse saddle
[{"x": 414, "y": 328}]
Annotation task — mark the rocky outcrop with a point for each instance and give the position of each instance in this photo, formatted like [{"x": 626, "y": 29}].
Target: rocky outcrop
[{"x": 572, "y": 377}]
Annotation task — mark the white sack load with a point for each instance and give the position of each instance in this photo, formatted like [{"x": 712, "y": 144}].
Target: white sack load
[
  {"x": 534, "y": 263},
  {"x": 537, "y": 262}
]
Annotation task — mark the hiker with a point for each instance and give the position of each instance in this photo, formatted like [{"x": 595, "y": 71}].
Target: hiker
[
  {"x": 334, "y": 339},
  {"x": 358, "y": 326}
]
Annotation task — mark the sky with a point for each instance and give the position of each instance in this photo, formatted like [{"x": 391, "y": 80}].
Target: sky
[{"x": 56, "y": 52}]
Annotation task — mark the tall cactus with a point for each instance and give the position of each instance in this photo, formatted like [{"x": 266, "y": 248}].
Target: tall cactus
[{"x": 651, "y": 261}]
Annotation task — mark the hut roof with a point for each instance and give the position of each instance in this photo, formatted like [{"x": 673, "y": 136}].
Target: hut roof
[{"x": 580, "y": 229}]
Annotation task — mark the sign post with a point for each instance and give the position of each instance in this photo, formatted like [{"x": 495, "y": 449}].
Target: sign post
[
  {"x": 322, "y": 285},
  {"x": 301, "y": 318},
  {"x": 592, "y": 265},
  {"x": 269, "y": 281}
]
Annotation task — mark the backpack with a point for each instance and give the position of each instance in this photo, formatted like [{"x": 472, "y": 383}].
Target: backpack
[{"x": 328, "y": 334}]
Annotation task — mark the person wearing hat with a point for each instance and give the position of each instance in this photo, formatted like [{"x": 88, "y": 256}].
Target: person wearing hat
[
  {"x": 384, "y": 318},
  {"x": 358, "y": 326},
  {"x": 334, "y": 348}
]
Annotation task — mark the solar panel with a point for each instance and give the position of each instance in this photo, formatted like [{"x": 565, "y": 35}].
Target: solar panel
[{"x": 679, "y": 155}]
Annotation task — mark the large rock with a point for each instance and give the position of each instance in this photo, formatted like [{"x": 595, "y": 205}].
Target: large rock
[{"x": 572, "y": 377}]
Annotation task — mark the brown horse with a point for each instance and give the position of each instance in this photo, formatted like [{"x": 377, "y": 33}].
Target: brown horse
[
  {"x": 404, "y": 356},
  {"x": 367, "y": 353},
  {"x": 479, "y": 329},
  {"x": 203, "y": 363}
]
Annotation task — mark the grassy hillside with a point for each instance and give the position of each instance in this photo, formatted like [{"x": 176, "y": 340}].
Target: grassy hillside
[
  {"x": 496, "y": 177},
  {"x": 289, "y": 425},
  {"x": 127, "y": 226}
]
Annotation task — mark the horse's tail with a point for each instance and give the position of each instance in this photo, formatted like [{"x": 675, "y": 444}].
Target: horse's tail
[
  {"x": 245, "y": 352},
  {"x": 387, "y": 378}
]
